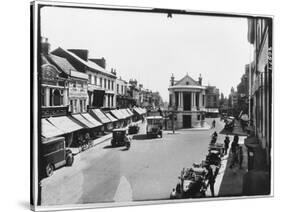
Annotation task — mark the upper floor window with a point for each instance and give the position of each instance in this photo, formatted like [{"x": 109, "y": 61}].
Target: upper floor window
[
  {"x": 95, "y": 82},
  {"x": 117, "y": 88},
  {"x": 101, "y": 82},
  {"x": 108, "y": 84},
  {"x": 90, "y": 78},
  {"x": 112, "y": 85},
  {"x": 104, "y": 83}
]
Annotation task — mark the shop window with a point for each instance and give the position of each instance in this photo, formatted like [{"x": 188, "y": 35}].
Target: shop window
[{"x": 90, "y": 78}]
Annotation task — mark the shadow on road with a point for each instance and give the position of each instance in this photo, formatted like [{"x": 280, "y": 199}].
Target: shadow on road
[
  {"x": 142, "y": 137},
  {"x": 110, "y": 147}
]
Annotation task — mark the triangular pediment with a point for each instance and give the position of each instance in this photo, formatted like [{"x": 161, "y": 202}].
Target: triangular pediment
[{"x": 187, "y": 80}]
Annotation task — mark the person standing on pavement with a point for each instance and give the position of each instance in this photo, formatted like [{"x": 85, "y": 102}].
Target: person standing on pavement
[
  {"x": 240, "y": 156},
  {"x": 214, "y": 123},
  {"x": 211, "y": 179},
  {"x": 226, "y": 144},
  {"x": 234, "y": 151}
]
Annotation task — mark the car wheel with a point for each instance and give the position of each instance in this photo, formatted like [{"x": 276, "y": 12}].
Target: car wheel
[
  {"x": 49, "y": 170},
  {"x": 69, "y": 160}
]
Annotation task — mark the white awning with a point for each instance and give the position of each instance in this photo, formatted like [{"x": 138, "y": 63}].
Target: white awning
[{"x": 49, "y": 130}]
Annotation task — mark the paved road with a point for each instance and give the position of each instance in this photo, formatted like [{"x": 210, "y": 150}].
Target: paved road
[{"x": 148, "y": 171}]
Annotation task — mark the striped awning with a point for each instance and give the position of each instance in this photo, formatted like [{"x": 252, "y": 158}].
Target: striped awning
[
  {"x": 49, "y": 130},
  {"x": 112, "y": 119},
  {"x": 83, "y": 121},
  {"x": 91, "y": 119},
  {"x": 65, "y": 124},
  {"x": 100, "y": 115}
]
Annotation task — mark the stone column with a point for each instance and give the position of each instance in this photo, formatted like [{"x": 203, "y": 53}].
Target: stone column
[
  {"x": 47, "y": 96},
  {"x": 65, "y": 98},
  {"x": 181, "y": 97}
]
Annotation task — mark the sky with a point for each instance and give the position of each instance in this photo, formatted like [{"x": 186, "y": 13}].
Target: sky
[{"x": 150, "y": 47}]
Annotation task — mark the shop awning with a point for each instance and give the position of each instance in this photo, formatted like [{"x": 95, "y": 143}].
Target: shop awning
[
  {"x": 65, "y": 124},
  {"x": 100, "y": 115},
  {"x": 125, "y": 112},
  {"x": 112, "y": 119},
  {"x": 139, "y": 110},
  {"x": 91, "y": 119},
  {"x": 129, "y": 111},
  {"x": 118, "y": 114},
  {"x": 49, "y": 130},
  {"x": 83, "y": 120}
]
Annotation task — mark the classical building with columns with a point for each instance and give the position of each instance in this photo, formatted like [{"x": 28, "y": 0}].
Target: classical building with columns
[{"x": 187, "y": 100}]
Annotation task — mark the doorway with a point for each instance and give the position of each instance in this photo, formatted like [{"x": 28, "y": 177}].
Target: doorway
[
  {"x": 186, "y": 101},
  {"x": 186, "y": 121}
]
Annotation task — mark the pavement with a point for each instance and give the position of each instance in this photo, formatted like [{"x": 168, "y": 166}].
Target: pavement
[
  {"x": 148, "y": 171},
  {"x": 232, "y": 182}
]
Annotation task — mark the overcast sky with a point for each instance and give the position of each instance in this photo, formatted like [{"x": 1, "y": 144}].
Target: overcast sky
[{"x": 150, "y": 47}]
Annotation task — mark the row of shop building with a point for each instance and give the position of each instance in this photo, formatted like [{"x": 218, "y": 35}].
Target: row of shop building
[
  {"x": 78, "y": 95},
  {"x": 95, "y": 123}
]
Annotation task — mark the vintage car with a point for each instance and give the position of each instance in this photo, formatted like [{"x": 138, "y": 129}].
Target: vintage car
[
  {"x": 55, "y": 154},
  {"x": 120, "y": 137},
  {"x": 154, "y": 126},
  {"x": 133, "y": 129},
  {"x": 229, "y": 123},
  {"x": 192, "y": 183}
]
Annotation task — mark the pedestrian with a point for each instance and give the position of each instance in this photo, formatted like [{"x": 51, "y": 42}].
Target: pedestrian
[
  {"x": 234, "y": 151},
  {"x": 211, "y": 180},
  {"x": 226, "y": 144},
  {"x": 173, "y": 194},
  {"x": 240, "y": 156},
  {"x": 214, "y": 123}
]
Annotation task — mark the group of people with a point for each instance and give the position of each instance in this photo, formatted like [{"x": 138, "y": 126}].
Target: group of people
[{"x": 236, "y": 151}]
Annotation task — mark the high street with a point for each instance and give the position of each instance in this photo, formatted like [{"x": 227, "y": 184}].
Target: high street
[{"x": 149, "y": 170}]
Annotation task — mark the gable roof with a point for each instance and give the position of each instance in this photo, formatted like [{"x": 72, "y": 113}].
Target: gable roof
[
  {"x": 90, "y": 64},
  {"x": 186, "y": 79},
  {"x": 62, "y": 63}
]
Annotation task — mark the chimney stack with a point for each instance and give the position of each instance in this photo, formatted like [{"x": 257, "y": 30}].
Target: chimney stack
[
  {"x": 200, "y": 80},
  {"x": 45, "y": 46},
  {"x": 172, "y": 80}
]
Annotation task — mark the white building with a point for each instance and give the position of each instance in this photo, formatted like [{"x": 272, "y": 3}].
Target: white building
[{"x": 187, "y": 100}]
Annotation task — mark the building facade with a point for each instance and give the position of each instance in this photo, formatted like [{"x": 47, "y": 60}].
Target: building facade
[
  {"x": 187, "y": 100},
  {"x": 212, "y": 97},
  {"x": 260, "y": 104},
  {"x": 101, "y": 82}
]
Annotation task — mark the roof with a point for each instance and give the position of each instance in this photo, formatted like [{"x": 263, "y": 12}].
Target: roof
[
  {"x": 186, "y": 79},
  {"x": 112, "y": 119},
  {"x": 91, "y": 119},
  {"x": 65, "y": 124},
  {"x": 49, "y": 130},
  {"x": 100, "y": 115},
  {"x": 89, "y": 64},
  {"x": 130, "y": 112},
  {"x": 62, "y": 63}
]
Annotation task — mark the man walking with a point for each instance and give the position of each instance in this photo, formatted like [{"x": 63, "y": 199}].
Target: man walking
[
  {"x": 214, "y": 123},
  {"x": 211, "y": 179},
  {"x": 226, "y": 144},
  {"x": 234, "y": 151}
]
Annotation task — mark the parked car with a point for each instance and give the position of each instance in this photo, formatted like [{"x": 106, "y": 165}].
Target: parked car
[
  {"x": 55, "y": 154},
  {"x": 120, "y": 138},
  {"x": 133, "y": 129}
]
